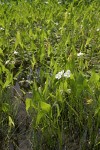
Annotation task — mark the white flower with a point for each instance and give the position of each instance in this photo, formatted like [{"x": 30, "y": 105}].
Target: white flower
[
  {"x": 7, "y": 62},
  {"x": 67, "y": 74},
  {"x": 98, "y": 29},
  {"x": 1, "y": 28},
  {"x": 59, "y": 74},
  {"x": 59, "y": 2},
  {"x": 15, "y": 52},
  {"x": 46, "y": 2},
  {"x": 80, "y": 54}
]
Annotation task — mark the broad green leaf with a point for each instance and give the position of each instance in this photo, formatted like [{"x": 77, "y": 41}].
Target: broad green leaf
[
  {"x": 48, "y": 49},
  {"x": 45, "y": 107},
  {"x": 33, "y": 61},
  {"x": 11, "y": 123},
  {"x": 5, "y": 107},
  {"x": 88, "y": 41},
  {"x": 28, "y": 103},
  {"x": 42, "y": 53},
  {"x": 97, "y": 111},
  {"x": 39, "y": 117},
  {"x": 94, "y": 77},
  {"x": 30, "y": 33},
  {"x": 59, "y": 95},
  {"x": 58, "y": 109},
  {"x": 18, "y": 40},
  {"x": 9, "y": 79}
]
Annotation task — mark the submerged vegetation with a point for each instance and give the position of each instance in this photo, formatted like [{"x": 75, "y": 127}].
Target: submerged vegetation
[{"x": 51, "y": 50}]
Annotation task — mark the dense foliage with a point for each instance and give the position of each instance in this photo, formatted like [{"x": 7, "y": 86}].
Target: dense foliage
[{"x": 51, "y": 48}]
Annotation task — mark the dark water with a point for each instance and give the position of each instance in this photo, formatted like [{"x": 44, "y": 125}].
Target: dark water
[{"x": 21, "y": 136}]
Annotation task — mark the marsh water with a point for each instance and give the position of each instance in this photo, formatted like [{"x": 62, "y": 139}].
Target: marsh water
[{"x": 21, "y": 138}]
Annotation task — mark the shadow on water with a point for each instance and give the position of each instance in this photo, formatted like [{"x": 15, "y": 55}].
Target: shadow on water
[{"x": 21, "y": 135}]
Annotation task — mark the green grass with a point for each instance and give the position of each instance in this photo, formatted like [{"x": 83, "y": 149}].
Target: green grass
[{"x": 40, "y": 39}]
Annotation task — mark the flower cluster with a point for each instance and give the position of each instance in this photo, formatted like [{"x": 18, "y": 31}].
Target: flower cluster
[{"x": 62, "y": 74}]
